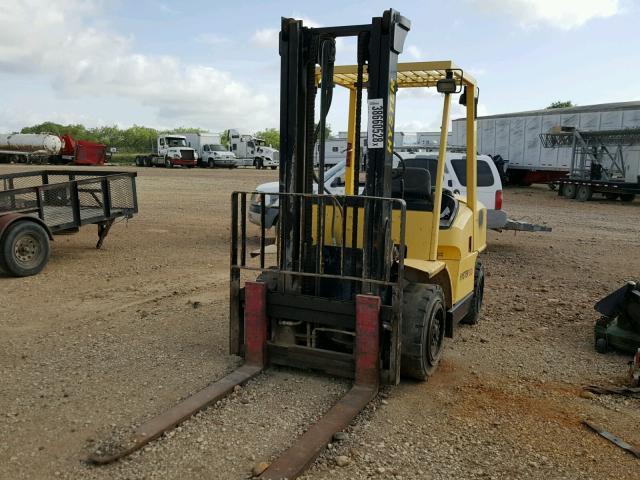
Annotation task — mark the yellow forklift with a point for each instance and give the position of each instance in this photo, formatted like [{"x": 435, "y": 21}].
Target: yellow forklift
[{"x": 367, "y": 284}]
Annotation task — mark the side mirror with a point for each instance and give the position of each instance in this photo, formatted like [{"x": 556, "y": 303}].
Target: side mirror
[{"x": 463, "y": 100}]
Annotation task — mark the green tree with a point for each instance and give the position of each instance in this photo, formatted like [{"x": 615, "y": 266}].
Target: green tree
[
  {"x": 271, "y": 136},
  {"x": 561, "y": 104},
  {"x": 224, "y": 138}
]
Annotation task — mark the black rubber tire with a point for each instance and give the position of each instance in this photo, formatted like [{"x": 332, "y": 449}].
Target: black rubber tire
[
  {"x": 273, "y": 167},
  {"x": 147, "y": 162},
  {"x": 602, "y": 346},
  {"x": 584, "y": 193},
  {"x": 139, "y": 161},
  {"x": 611, "y": 196},
  {"x": 569, "y": 190},
  {"x": 257, "y": 162},
  {"x": 211, "y": 163},
  {"x": 423, "y": 328},
  {"x": 167, "y": 163},
  {"x": 24, "y": 249},
  {"x": 627, "y": 197},
  {"x": 473, "y": 316}
]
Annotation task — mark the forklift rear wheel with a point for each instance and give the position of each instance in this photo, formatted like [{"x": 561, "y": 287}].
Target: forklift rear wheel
[
  {"x": 584, "y": 193},
  {"x": 478, "y": 294},
  {"x": 601, "y": 345},
  {"x": 611, "y": 196},
  {"x": 423, "y": 326},
  {"x": 25, "y": 249},
  {"x": 569, "y": 190},
  {"x": 627, "y": 197}
]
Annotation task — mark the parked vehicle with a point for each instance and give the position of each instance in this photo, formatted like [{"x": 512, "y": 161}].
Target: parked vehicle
[
  {"x": 252, "y": 151},
  {"x": 36, "y": 205},
  {"x": 215, "y": 155},
  {"x": 513, "y": 138},
  {"x": 169, "y": 151},
  {"x": 489, "y": 185},
  {"x": 42, "y": 148}
]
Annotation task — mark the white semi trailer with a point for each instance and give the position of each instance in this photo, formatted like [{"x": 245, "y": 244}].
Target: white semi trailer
[{"x": 513, "y": 139}]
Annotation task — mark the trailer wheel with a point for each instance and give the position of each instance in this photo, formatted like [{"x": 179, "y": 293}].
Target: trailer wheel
[
  {"x": 584, "y": 193},
  {"x": 627, "y": 197},
  {"x": 478, "y": 295},
  {"x": 24, "y": 249},
  {"x": 258, "y": 163},
  {"x": 611, "y": 196},
  {"x": 423, "y": 326},
  {"x": 569, "y": 190}
]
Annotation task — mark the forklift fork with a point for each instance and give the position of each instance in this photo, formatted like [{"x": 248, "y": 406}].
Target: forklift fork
[{"x": 302, "y": 453}]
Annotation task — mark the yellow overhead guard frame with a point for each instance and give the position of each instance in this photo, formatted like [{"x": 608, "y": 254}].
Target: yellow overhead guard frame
[{"x": 419, "y": 75}]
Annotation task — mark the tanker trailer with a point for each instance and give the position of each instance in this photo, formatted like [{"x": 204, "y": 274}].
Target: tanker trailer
[{"x": 30, "y": 147}]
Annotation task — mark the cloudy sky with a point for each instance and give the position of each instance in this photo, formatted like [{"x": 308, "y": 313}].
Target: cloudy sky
[{"x": 215, "y": 64}]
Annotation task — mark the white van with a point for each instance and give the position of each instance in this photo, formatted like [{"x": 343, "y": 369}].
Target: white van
[{"x": 489, "y": 185}]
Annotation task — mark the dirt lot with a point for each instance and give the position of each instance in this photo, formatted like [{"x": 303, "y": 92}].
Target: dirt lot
[{"x": 104, "y": 339}]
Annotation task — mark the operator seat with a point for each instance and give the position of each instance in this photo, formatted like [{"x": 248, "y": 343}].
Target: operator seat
[{"x": 417, "y": 189}]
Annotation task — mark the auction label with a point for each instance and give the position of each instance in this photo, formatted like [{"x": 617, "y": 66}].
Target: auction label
[{"x": 376, "y": 123}]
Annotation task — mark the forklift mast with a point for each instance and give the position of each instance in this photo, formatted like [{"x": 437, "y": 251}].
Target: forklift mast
[{"x": 301, "y": 49}]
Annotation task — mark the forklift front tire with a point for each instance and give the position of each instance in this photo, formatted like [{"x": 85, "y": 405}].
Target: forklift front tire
[{"x": 423, "y": 326}]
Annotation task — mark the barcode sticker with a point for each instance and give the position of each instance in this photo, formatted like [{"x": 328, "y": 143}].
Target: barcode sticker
[{"x": 376, "y": 123}]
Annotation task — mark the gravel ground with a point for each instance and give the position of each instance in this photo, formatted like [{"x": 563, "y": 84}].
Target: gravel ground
[{"x": 102, "y": 340}]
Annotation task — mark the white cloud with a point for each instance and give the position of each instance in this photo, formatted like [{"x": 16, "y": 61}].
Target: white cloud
[
  {"x": 265, "y": 38},
  {"x": 562, "y": 14},
  {"x": 414, "y": 52},
  {"x": 81, "y": 58},
  {"x": 268, "y": 37},
  {"x": 213, "y": 39}
]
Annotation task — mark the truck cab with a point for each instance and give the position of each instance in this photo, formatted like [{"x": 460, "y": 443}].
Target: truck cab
[
  {"x": 215, "y": 155},
  {"x": 173, "y": 150},
  {"x": 252, "y": 151}
]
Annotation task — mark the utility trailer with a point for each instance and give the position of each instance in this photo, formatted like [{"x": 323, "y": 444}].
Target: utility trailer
[
  {"x": 34, "y": 206},
  {"x": 513, "y": 139},
  {"x": 605, "y": 162}
]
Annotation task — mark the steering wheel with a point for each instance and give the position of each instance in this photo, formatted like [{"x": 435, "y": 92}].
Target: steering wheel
[{"x": 403, "y": 169}]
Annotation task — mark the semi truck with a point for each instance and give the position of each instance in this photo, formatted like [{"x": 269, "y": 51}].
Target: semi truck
[
  {"x": 252, "y": 151},
  {"x": 170, "y": 150},
  {"x": 513, "y": 139},
  {"x": 43, "y": 148}
]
